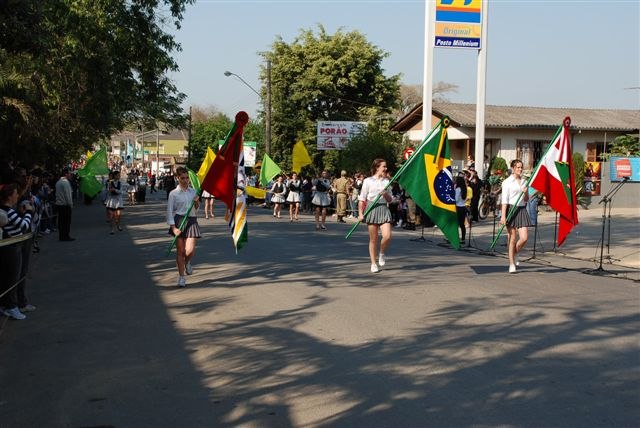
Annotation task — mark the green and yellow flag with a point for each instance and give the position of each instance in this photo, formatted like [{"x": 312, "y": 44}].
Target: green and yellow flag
[{"x": 429, "y": 180}]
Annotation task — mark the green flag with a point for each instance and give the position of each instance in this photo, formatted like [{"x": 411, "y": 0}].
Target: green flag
[
  {"x": 268, "y": 170},
  {"x": 195, "y": 181},
  {"x": 89, "y": 185},
  {"x": 97, "y": 164},
  {"x": 429, "y": 181}
]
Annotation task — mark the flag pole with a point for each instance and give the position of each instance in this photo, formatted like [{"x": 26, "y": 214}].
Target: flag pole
[
  {"x": 535, "y": 170},
  {"x": 443, "y": 122}
]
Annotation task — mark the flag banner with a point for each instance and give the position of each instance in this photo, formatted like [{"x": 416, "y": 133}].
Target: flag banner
[
  {"x": 268, "y": 170},
  {"x": 89, "y": 185},
  {"x": 555, "y": 178},
  {"x": 238, "y": 222},
  {"x": 206, "y": 164},
  {"x": 221, "y": 179},
  {"x": 97, "y": 164},
  {"x": 89, "y": 154},
  {"x": 256, "y": 193},
  {"x": 429, "y": 180},
  {"x": 299, "y": 157},
  {"x": 195, "y": 181}
]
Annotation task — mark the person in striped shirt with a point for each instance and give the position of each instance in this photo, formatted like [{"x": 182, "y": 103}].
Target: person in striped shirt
[{"x": 18, "y": 223}]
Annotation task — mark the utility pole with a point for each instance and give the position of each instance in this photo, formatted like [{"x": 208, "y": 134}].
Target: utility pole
[
  {"x": 189, "y": 139},
  {"x": 267, "y": 137},
  {"x": 158, "y": 152}
]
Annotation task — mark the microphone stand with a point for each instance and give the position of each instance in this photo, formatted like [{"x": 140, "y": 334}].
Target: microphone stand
[{"x": 606, "y": 200}]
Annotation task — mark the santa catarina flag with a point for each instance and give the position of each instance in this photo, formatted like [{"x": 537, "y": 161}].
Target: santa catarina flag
[
  {"x": 220, "y": 181},
  {"x": 427, "y": 177},
  {"x": 97, "y": 163},
  {"x": 554, "y": 177}
]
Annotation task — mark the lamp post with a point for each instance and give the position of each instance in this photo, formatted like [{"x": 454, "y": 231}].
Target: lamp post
[{"x": 267, "y": 105}]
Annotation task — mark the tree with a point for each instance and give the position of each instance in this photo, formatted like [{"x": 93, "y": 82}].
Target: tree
[
  {"x": 324, "y": 77},
  {"x": 411, "y": 95},
  {"x": 624, "y": 145},
  {"x": 90, "y": 68},
  {"x": 376, "y": 142}
]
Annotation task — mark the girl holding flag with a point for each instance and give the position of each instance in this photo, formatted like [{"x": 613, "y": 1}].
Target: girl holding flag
[
  {"x": 378, "y": 217},
  {"x": 515, "y": 193},
  {"x": 178, "y": 205}
]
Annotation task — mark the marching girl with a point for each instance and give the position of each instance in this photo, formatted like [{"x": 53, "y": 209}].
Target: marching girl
[
  {"x": 114, "y": 201},
  {"x": 278, "y": 191},
  {"x": 379, "y": 217},
  {"x": 178, "y": 204},
  {"x": 321, "y": 199},
  {"x": 512, "y": 187},
  {"x": 295, "y": 186},
  {"x": 208, "y": 204}
]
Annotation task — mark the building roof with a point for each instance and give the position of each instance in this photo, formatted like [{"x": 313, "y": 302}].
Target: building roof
[{"x": 464, "y": 115}]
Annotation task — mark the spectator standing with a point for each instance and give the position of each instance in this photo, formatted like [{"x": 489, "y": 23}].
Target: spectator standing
[
  {"x": 64, "y": 205},
  {"x": 460, "y": 187},
  {"x": 341, "y": 185},
  {"x": 169, "y": 183},
  {"x": 11, "y": 255}
]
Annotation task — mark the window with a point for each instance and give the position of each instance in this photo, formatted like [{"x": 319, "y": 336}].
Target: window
[{"x": 530, "y": 152}]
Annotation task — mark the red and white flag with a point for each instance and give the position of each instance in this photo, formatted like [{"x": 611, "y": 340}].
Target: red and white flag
[{"x": 554, "y": 177}]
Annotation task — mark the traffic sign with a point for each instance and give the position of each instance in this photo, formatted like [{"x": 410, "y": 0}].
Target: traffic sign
[{"x": 408, "y": 152}]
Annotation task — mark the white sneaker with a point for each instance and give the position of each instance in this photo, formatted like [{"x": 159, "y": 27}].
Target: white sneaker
[
  {"x": 188, "y": 268},
  {"x": 14, "y": 313},
  {"x": 381, "y": 260},
  {"x": 375, "y": 268},
  {"x": 512, "y": 268},
  {"x": 517, "y": 260},
  {"x": 182, "y": 282}
]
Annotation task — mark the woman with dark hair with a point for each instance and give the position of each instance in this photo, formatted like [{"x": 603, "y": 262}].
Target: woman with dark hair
[
  {"x": 18, "y": 223},
  {"x": 460, "y": 187},
  {"x": 278, "y": 191},
  {"x": 379, "y": 217},
  {"x": 515, "y": 192}
]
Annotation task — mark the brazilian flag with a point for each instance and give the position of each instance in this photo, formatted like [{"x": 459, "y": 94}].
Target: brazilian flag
[{"x": 428, "y": 178}]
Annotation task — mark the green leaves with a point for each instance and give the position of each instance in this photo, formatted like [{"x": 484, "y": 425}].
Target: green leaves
[{"x": 87, "y": 68}]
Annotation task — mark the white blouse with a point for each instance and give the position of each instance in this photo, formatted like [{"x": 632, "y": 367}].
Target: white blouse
[
  {"x": 372, "y": 187},
  {"x": 512, "y": 189},
  {"x": 179, "y": 203}
]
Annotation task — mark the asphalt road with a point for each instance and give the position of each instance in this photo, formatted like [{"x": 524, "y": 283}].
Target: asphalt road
[{"x": 295, "y": 331}]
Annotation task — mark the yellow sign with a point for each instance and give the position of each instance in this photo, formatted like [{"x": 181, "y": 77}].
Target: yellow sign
[{"x": 458, "y": 24}]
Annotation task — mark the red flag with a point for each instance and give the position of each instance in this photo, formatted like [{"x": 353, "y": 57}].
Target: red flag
[
  {"x": 221, "y": 179},
  {"x": 554, "y": 177}
]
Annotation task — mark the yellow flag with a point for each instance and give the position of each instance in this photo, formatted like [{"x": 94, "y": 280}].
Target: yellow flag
[
  {"x": 300, "y": 157},
  {"x": 206, "y": 164},
  {"x": 255, "y": 192}
]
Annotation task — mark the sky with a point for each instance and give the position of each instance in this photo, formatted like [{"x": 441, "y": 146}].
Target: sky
[{"x": 555, "y": 53}]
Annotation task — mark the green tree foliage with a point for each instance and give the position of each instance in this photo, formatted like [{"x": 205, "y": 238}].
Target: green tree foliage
[
  {"x": 86, "y": 69},
  {"x": 376, "y": 142},
  {"x": 624, "y": 145},
  {"x": 324, "y": 77}
]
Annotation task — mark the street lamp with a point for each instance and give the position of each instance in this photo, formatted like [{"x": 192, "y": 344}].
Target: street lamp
[{"x": 267, "y": 105}]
